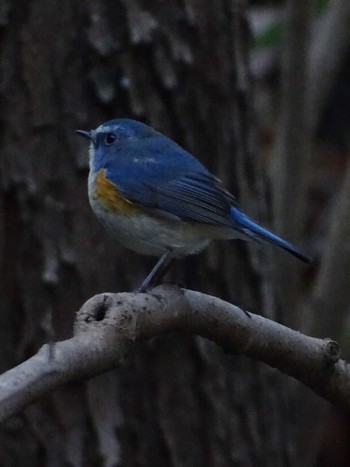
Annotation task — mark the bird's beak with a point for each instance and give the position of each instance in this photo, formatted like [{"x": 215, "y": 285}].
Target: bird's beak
[{"x": 87, "y": 134}]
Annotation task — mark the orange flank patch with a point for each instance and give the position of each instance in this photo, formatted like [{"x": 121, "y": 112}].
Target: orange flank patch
[{"x": 109, "y": 196}]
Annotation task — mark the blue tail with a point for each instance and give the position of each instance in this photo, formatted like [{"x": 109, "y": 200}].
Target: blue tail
[{"x": 254, "y": 230}]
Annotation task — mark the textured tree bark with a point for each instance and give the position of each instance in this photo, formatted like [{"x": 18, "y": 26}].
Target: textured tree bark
[
  {"x": 291, "y": 165},
  {"x": 182, "y": 68}
]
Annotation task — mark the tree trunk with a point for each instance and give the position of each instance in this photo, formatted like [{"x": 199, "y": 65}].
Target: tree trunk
[{"x": 182, "y": 68}]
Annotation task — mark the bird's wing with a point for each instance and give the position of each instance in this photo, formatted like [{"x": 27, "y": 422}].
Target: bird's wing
[
  {"x": 196, "y": 197},
  {"x": 177, "y": 185}
]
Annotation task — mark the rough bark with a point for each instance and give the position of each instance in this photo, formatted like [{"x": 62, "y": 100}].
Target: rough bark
[
  {"x": 177, "y": 400},
  {"x": 291, "y": 168}
]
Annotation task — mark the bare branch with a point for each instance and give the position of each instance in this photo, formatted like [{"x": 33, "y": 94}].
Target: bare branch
[{"x": 108, "y": 323}]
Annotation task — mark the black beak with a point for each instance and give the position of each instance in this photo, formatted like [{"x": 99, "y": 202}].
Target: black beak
[{"x": 85, "y": 134}]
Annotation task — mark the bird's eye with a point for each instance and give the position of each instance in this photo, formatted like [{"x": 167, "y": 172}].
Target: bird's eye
[{"x": 110, "y": 138}]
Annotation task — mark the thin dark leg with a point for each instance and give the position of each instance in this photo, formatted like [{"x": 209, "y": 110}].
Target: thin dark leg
[{"x": 158, "y": 272}]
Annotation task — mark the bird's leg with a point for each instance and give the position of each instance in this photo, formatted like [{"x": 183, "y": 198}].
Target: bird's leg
[{"x": 158, "y": 272}]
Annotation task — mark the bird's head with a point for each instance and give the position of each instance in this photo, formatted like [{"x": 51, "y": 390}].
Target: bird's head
[{"x": 107, "y": 140}]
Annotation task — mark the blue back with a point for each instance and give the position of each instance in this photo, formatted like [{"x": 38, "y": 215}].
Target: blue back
[{"x": 155, "y": 172}]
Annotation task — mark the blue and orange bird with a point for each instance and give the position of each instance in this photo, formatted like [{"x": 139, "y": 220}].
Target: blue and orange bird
[{"x": 157, "y": 199}]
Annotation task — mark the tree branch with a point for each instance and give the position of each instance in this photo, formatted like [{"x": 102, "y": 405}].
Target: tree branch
[{"x": 107, "y": 324}]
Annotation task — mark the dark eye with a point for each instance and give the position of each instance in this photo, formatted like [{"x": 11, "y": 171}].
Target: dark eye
[{"x": 110, "y": 138}]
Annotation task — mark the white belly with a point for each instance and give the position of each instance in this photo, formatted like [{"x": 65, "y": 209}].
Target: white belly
[
  {"x": 151, "y": 235},
  {"x": 154, "y": 235}
]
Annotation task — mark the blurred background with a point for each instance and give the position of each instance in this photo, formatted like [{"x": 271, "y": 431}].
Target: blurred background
[{"x": 259, "y": 91}]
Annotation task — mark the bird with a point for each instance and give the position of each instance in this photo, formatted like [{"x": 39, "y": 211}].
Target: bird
[{"x": 158, "y": 199}]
